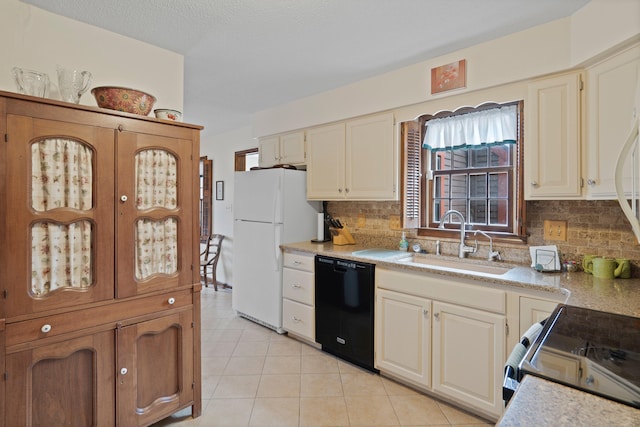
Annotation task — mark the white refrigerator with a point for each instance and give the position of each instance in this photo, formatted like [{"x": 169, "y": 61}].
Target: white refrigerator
[{"x": 270, "y": 209}]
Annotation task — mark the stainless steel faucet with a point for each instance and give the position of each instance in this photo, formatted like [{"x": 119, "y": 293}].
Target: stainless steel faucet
[
  {"x": 463, "y": 248},
  {"x": 493, "y": 255}
]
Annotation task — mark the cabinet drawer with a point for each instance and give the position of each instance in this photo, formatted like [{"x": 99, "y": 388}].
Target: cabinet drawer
[
  {"x": 299, "y": 319},
  {"x": 438, "y": 287},
  {"x": 108, "y": 314},
  {"x": 298, "y": 261},
  {"x": 298, "y": 286}
]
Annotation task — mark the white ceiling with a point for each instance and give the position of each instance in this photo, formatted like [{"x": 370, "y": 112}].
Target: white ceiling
[{"x": 243, "y": 56}]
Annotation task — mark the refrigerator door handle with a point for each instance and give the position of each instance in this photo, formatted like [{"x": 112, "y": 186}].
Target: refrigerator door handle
[
  {"x": 277, "y": 200},
  {"x": 276, "y": 246}
]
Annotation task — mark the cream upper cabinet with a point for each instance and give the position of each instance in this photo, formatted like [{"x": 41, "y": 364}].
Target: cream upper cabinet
[
  {"x": 610, "y": 95},
  {"x": 371, "y": 159},
  {"x": 286, "y": 149},
  {"x": 403, "y": 336},
  {"x": 356, "y": 160},
  {"x": 325, "y": 169},
  {"x": 552, "y": 138}
]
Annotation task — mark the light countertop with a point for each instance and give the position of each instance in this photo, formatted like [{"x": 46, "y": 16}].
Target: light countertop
[
  {"x": 539, "y": 403},
  {"x": 621, "y": 296}
]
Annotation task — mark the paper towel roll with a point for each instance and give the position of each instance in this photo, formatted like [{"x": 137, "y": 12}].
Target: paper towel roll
[{"x": 320, "y": 227}]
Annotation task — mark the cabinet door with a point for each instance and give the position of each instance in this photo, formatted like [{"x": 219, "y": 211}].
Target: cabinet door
[
  {"x": 292, "y": 149},
  {"x": 468, "y": 355},
  {"x": 60, "y": 190},
  {"x": 534, "y": 310},
  {"x": 70, "y": 383},
  {"x": 403, "y": 336},
  {"x": 552, "y": 138},
  {"x": 269, "y": 149},
  {"x": 610, "y": 97},
  {"x": 155, "y": 217},
  {"x": 326, "y": 162},
  {"x": 155, "y": 369},
  {"x": 371, "y": 159}
]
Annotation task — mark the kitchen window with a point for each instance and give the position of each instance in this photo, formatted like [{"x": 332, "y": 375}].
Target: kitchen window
[{"x": 471, "y": 161}]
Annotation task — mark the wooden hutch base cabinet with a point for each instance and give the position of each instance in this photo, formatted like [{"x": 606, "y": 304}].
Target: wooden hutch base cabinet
[{"x": 99, "y": 286}]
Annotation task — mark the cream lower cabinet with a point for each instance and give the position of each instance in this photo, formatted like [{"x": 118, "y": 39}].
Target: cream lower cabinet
[
  {"x": 354, "y": 160},
  {"x": 534, "y": 310},
  {"x": 403, "y": 328},
  {"x": 468, "y": 361},
  {"x": 552, "y": 152},
  {"x": 298, "y": 292},
  {"x": 445, "y": 336}
]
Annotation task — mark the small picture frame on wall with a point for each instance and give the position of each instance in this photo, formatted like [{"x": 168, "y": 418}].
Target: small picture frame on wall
[
  {"x": 449, "y": 76},
  {"x": 219, "y": 190}
]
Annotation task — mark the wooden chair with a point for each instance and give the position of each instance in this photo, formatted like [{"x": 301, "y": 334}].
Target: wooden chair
[{"x": 209, "y": 259}]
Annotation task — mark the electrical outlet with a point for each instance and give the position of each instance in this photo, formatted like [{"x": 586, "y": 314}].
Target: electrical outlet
[
  {"x": 555, "y": 230},
  {"x": 394, "y": 222},
  {"x": 362, "y": 222}
]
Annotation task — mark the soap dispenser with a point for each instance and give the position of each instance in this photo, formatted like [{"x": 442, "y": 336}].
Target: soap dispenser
[{"x": 404, "y": 245}]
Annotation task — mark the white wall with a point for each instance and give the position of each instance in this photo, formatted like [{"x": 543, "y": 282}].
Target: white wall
[
  {"x": 221, "y": 149},
  {"x": 39, "y": 40},
  {"x": 545, "y": 49}
]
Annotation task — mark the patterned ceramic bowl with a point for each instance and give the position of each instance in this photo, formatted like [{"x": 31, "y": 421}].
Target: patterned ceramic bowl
[
  {"x": 168, "y": 114},
  {"x": 124, "y": 99}
]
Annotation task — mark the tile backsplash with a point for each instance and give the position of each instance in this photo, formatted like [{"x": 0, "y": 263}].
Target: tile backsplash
[{"x": 593, "y": 227}]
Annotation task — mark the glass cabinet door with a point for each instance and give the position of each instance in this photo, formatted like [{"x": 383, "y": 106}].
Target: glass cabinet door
[
  {"x": 154, "y": 220},
  {"x": 60, "y": 190}
]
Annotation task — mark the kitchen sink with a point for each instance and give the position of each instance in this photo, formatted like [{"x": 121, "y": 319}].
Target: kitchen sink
[
  {"x": 380, "y": 254},
  {"x": 454, "y": 264}
]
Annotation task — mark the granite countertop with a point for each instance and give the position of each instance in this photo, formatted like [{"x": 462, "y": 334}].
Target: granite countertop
[
  {"x": 539, "y": 402},
  {"x": 620, "y": 296}
]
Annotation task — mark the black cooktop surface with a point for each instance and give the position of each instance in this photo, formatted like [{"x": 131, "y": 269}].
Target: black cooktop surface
[{"x": 595, "y": 351}]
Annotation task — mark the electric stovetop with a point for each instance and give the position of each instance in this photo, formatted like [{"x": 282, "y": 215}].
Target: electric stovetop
[{"x": 591, "y": 350}]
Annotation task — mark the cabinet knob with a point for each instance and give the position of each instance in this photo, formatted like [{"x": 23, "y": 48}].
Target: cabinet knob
[
  {"x": 346, "y": 190},
  {"x": 124, "y": 371},
  {"x": 591, "y": 181},
  {"x": 534, "y": 183},
  {"x": 45, "y": 328},
  {"x": 425, "y": 311},
  {"x": 296, "y": 286},
  {"x": 339, "y": 190},
  {"x": 171, "y": 301},
  {"x": 436, "y": 316},
  {"x": 295, "y": 319},
  {"x": 123, "y": 198}
]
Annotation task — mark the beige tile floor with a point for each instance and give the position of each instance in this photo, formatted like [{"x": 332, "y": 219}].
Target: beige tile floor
[{"x": 252, "y": 376}]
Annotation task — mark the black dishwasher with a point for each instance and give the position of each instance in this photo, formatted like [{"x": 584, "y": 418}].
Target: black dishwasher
[{"x": 344, "y": 309}]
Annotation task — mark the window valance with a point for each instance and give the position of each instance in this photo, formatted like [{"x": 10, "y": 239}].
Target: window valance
[{"x": 481, "y": 128}]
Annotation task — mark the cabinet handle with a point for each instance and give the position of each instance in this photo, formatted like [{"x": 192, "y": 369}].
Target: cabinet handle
[
  {"x": 171, "y": 301},
  {"x": 296, "y": 262},
  {"x": 45, "y": 328},
  {"x": 123, "y": 198},
  {"x": 437, "y": 316},
  {"x": 295, "y": 285},
  {"x": 123, "y": 371}
]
